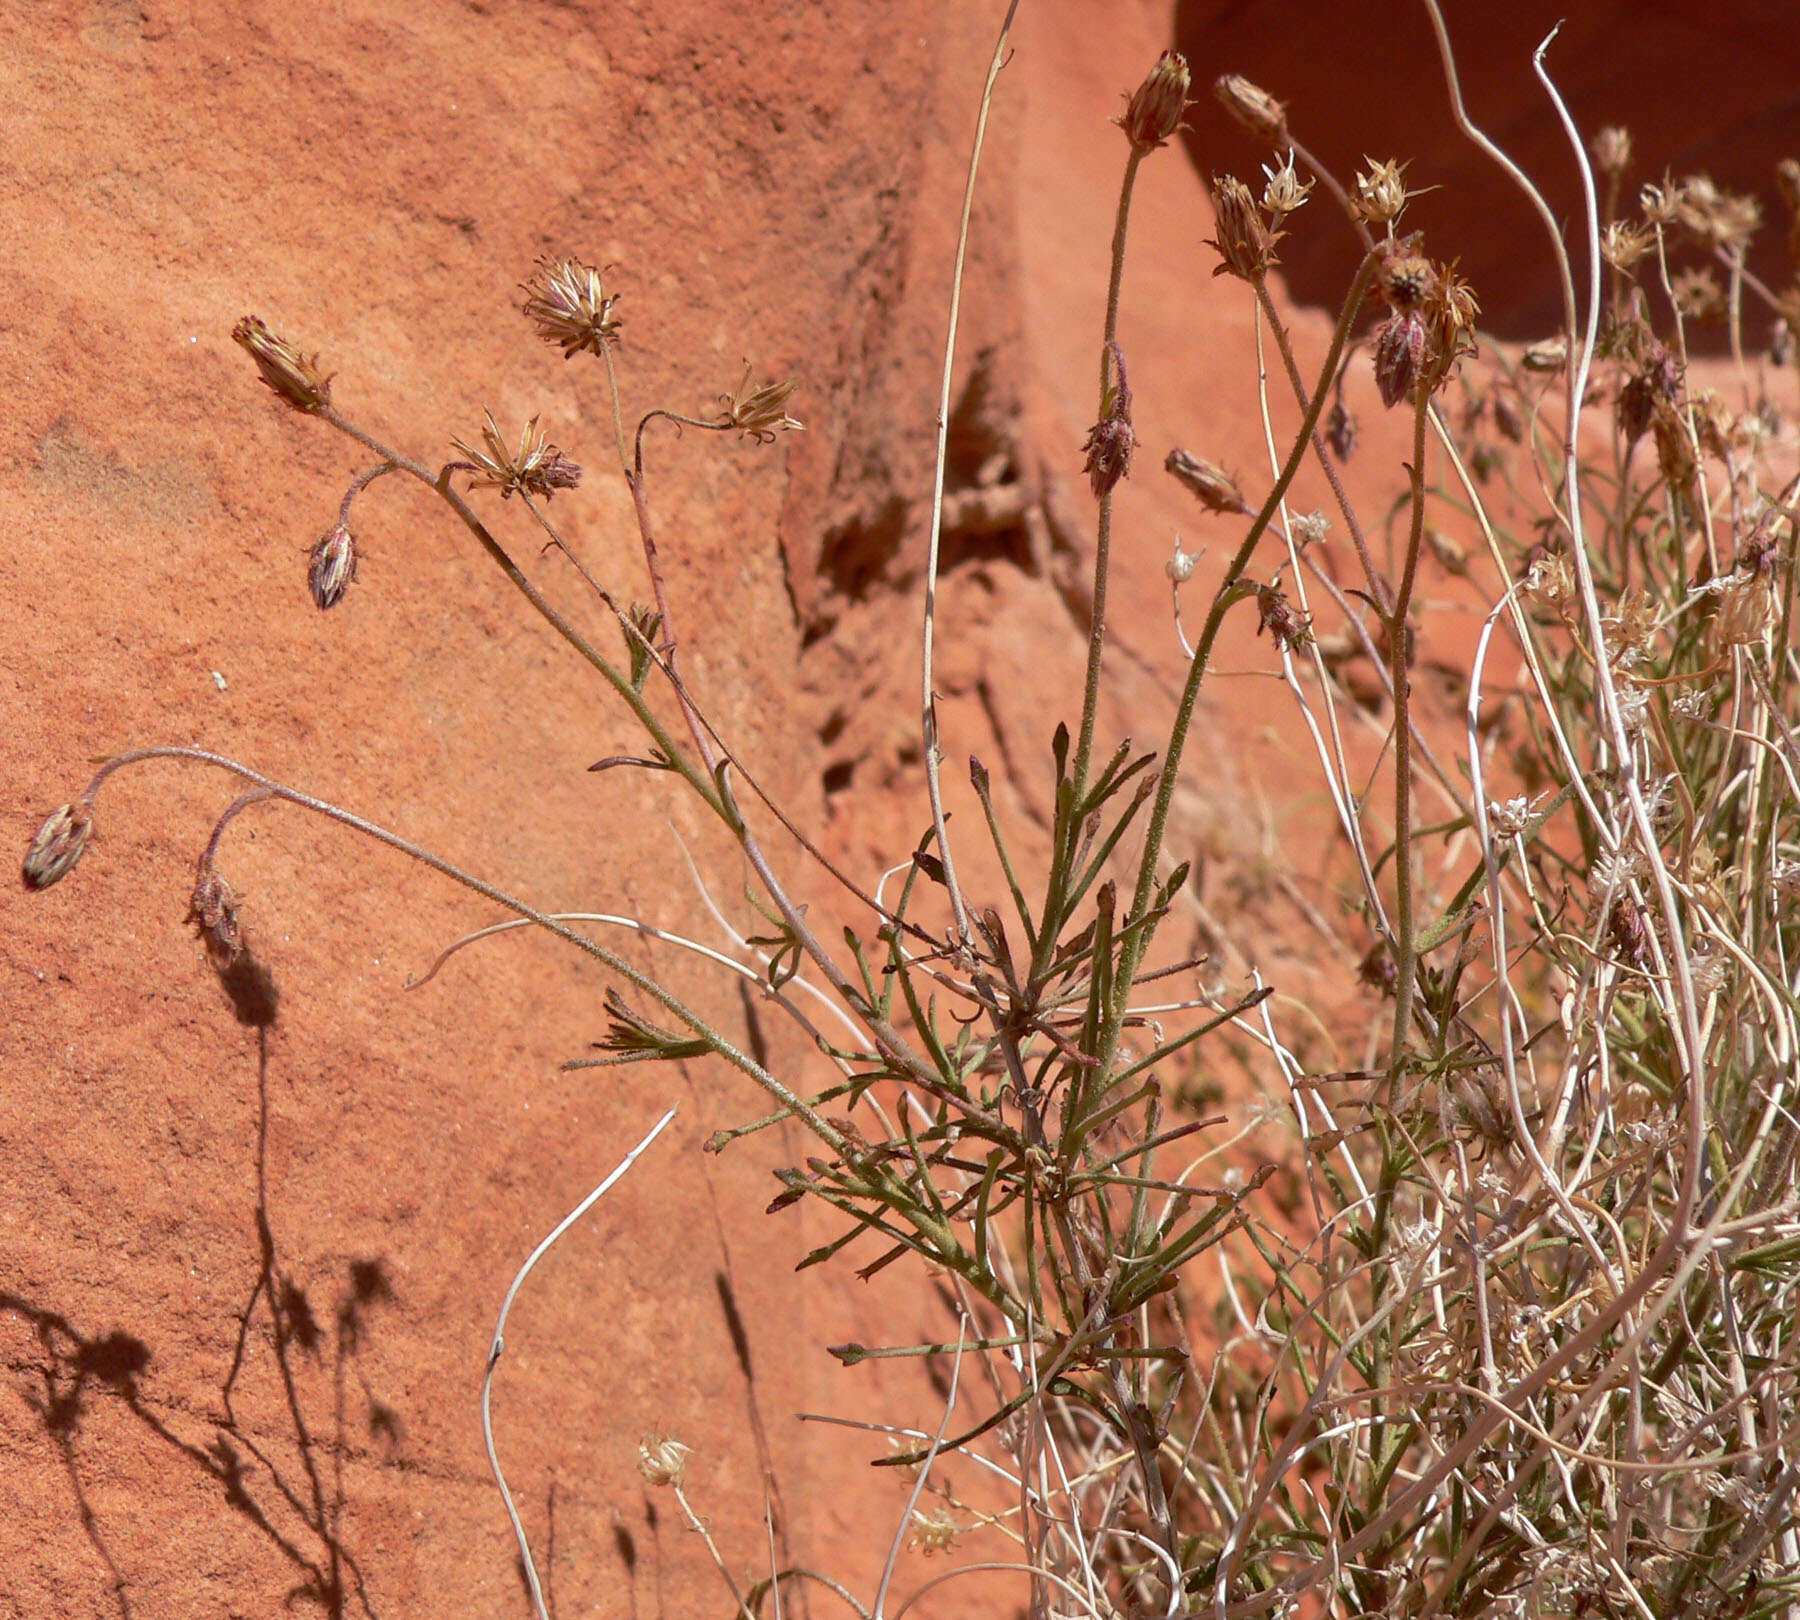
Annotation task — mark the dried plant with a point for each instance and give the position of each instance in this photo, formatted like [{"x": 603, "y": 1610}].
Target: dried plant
[{"x": 1525, "y": 1343}]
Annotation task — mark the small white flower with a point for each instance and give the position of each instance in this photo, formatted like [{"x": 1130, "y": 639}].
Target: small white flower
[{"x": 935, "y": 1532}]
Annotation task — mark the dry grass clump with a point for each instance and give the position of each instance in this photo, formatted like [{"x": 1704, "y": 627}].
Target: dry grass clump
[{"x": 1527, "y": 1346}]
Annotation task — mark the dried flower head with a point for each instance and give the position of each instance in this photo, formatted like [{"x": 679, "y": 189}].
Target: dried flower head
[
  {"x": 1402, "y": 348},
  {"x": 1510, "y": 819},
  {"x": 1211, "y": 485},
  {"x": 1245, "y": 242},
  {"x": 1661, "y": 203},
  {"x": 1340, "y": 431},
  {"x": 1154, "y": 111},
  {"x": 760, "y": 413},
  {"x": 1715, "y": 218},
  {"x": 1381, "y": 192},
  {"x": 1549, "y": 580},
  {"x": 537, "y": 467},
  {"x": 1624, "y": 242},
  {"x": 331, "y": 567},
  {"x": 1310, "y": 529},
  {"x": 1698, "y": 293},
  {"x": 1451, "y": 307},
  {"x": 1407, "y": 277},
  {"x": 1611, "y": 150},
  {"x": 663, "y": 1460},
  {"x": 58, "y": 845},
  {"x": 568, "y": 303},
  {"x": 1284, "y": 191},
  {"x": 1632, "y": 628},
  {"x": 935, "y": 1532},
  {"x": 1180, "y": 567},
  {"x": 1110, "y": 441},
  {"x": 1253, "y": 107},
  {"x": 1546, "y": 357},
  {"x": 1288, "y": 627},
  {"x": 296, "y": 377},
  {"x": 214, "y": 911},
  {"x": 1748, "y": 609}
]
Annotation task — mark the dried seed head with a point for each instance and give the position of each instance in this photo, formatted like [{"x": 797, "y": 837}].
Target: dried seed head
[
  {"x": 537, "y": 467},
  {"x": 1380, "y": 193},
  {"x": 1212, "y": 486},
  {"x": 1634, "y": 626},
  {"x": 663, "y": 1460},
  {"x": 760, "y": 413},
  {"x": 568, "y": 303},
  {"x": 1310, "y": 529},
  {"x": 1510, "y": 819},
  {"x": 1288, "y": 627},
  {"x": 1661, "y": 203},
  {"x": 1154, "y": 112},
  {"x": 1401, "y": 350},
  {"x": 1451, "y": 308},
  {"x": 1611, "y": 150},
  {"x": 1748, "y": 610},
  {"x": 296, "y": 377},
  {"x": 1698, "y": 294},
  {"x": 1180, "y": 567},
  {"x": 214, "y": 911},
  {"x": 1110, "y": 441},
  {"x": 1245, "y": 242},
  {"x": 1715, "y": 218},
  {"x": 1284, "y": 191},
  {"x": 1624, "y": 242},
  {"x": 59, "y": 844},
  {"x": 1549, "y": 580},
  {"x": 1253, "y": 107},
  {"x": 331, "y": 567},
  {"x": 1340, "y": 431},
  {"x": 1674, "y": 450},
  {"x": 1408, "y": 278}
]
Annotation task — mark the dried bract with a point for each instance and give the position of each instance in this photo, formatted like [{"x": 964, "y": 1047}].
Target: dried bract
[
  {"x": 568, "y": 303},
  {"x": 331, "y": 567},
  {"x": 58, "y": 845},
  {"x": 296, "y": 377},
  {"x": 537, "y": 467},
  {"x": 1211, "y": 485},
  {"x": 1253, "y": 107},
  {"x": 760, "y": 413},
  {"x": 1154, "y": 112}
]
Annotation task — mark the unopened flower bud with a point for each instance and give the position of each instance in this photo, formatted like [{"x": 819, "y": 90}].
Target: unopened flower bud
[
  {"x": 1253, "y": 107},
  {"x": 1381, "y": 193},
  {"x": 1180, "y": 567},
  {"x": 1154, "y": 113},
  {"x": 296, "y": 377},
  {"x": 214, "y": 911},
  {"x": 59, "y": 844},
  {"x": 663, "y": 1460},
  {"x": 1340, "y": 431},
  {"x": 1110, "y": 441},
  {"x": 1612, "y": 150},
  {"x": 1212, "y": 486},
  {"x": 1401, "y": 347},
  {"x": 331, "y": 567},
  {"x": 1245, "y": 241}
]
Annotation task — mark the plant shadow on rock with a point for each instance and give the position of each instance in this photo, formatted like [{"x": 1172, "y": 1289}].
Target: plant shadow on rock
[{"x": 297, "y": 1505}]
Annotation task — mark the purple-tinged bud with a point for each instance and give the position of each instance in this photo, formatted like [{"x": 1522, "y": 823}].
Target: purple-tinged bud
[
  {"x": 332, "y": 567},
  {"x": 1288, "y": 627},
  {"x": 59, "y": 844},
  {"x": 1110, "y": 441},
  {"x": 214, "y": 911},
  {"x": 1245, "y": 242},
  {"x": 296, "y": 377},
  {"x": 1154, "y": 112},
  {"x": 1340, "y": 431},
  {"x": 1401, "y": 346}
]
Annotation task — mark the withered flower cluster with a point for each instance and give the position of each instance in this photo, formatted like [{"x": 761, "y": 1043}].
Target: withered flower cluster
[{"x": 537, "y": 467}]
